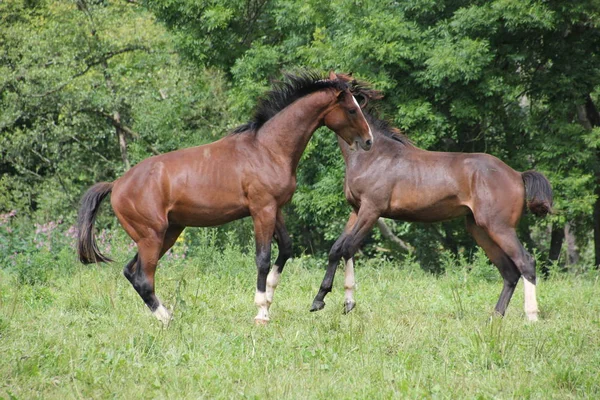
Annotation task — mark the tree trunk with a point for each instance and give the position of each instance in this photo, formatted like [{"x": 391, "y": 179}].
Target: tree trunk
[
  {"x": 122, "y": 140},
  {"x": 589, "y": 117},
  {"x": 116, "y": 115},
  {"x": 572, "y": 249},
  {"x": 594, "y": 119},
  {"x": 556, "y": 241},
  {"x": 387, "y": 233}
]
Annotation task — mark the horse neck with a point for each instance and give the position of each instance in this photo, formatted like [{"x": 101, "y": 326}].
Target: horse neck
[
  {"x": 380, "y": 142},
  {"x": 287, "y": 133}
]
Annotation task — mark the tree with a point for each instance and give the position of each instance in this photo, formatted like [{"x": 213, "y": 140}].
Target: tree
[{"x": 87, "y": 89}]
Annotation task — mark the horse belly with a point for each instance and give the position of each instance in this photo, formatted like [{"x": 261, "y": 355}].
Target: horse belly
[
  {"x": 434, "y": 210},
  {"x": 206, "y": 214}
]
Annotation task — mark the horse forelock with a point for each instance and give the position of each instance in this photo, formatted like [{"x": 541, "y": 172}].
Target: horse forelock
[{"x": 292, "y": 87}]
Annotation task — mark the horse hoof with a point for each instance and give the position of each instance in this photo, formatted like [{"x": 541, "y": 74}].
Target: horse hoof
[
  {"x": 163, "y": 315},
  {"x": 349, "y": 306},
  {"x": 317, "y": 305},
  {"x": 261, "y": 322}
]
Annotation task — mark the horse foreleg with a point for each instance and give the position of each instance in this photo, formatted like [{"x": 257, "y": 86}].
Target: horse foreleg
[
  {"x": 264, "y": 227},
  {"x": 345, "y": 247},
  {"x": 285, "y": 252}
]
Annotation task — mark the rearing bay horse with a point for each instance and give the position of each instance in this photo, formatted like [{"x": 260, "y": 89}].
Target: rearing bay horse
[
  {"x": 250, "y": 172},
  {"x": 427, "y": 186}
]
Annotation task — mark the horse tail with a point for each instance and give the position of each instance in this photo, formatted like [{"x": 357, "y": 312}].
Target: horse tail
[
  {"x": 538, "y": 193},
  {"x": 90, "y": 204}
]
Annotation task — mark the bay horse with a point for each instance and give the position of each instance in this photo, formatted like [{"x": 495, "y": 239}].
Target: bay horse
[
  {"x": 250, "y": 172},
  {"x": 427, "y": 186}
]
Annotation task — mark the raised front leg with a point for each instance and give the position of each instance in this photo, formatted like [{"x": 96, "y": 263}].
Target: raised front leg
[
  {"x": 264, "y": 226},
  {"x": 346, "y": 246}
]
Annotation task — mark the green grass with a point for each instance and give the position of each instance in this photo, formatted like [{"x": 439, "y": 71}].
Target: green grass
[{"x": 82, "y": 332}]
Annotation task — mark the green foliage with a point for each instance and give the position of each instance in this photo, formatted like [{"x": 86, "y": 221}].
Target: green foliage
[{"x": 505, "y": 77}]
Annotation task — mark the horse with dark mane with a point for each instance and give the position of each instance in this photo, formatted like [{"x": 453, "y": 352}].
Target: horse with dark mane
[
  {"x": 428, "y": 186},
  {"x": 250, "y": 172}
]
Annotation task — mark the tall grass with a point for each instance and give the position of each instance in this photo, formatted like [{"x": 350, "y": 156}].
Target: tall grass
[{"x": 74, "y": 331}]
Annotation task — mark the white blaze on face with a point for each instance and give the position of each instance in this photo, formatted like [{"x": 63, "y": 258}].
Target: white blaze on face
[
  {"x": 272, "y": 282},
  {"x": 349, "y": 282},
  {"x": 260, "y": 299},
  {"x": 531, "y": 307},
  {"x": 162, "y": 314},
  {"x": 370, "y": 133}
]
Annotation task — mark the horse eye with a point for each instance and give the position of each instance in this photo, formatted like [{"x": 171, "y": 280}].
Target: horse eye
[{"x": 352, "y": 111}]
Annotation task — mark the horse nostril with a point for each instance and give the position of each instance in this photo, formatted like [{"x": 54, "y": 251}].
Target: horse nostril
[{"x": 368, "y": 142}]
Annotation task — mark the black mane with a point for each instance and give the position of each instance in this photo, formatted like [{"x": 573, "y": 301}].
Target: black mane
[
  {"x": 284, "y": 93},
  {"x": 384, "y": 127}
]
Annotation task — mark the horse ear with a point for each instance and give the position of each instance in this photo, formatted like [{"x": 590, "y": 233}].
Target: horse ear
[{"x": 332, "y": 75}]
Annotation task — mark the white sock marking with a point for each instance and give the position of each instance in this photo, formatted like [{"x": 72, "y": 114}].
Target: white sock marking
[
  {"x": 531, "y": 307},
  {"x": 349, "y": 282},
  {"x": 162, "y": 314},
  {"x": 272, "y": 283},
  {"x": 260, "y": 299}
]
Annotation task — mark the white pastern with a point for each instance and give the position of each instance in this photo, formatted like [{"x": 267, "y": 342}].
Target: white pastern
[
  {"x": 272, "y": 283},
  {"x": 260, "y": 299},
  {"x": 349, "y": 282},
  {"x": 531, "y": 307},
  {"x": 162, "y": 314}
]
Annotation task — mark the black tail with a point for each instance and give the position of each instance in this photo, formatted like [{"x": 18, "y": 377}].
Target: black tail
[
  {"x": 538, "y": 193},
  {"x": 90, "y": 204}
]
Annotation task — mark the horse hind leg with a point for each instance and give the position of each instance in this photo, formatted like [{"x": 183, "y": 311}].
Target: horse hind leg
[
  {"x": 140, "y": 271},
  {"x": 509, "y": 272},
  {"x": 506, "y": 239},
  {"x": 349, "y": 286}
]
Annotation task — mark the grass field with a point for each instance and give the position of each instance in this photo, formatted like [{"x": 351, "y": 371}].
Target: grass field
[{"x": 74, "y": 331}]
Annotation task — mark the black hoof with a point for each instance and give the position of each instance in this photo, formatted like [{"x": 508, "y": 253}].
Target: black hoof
[
  {"x": 317, "y": 305},
  {"x": 349, "y": 306}
]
